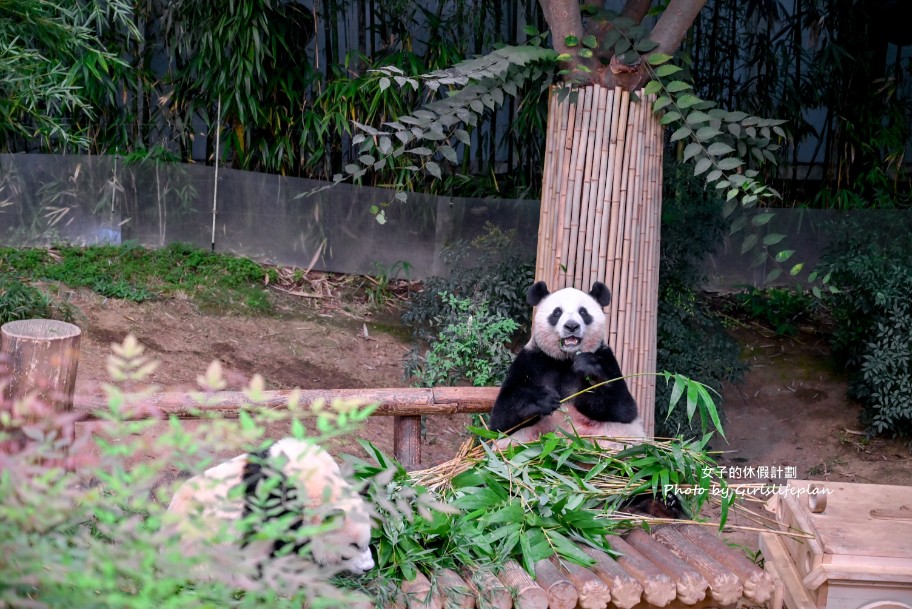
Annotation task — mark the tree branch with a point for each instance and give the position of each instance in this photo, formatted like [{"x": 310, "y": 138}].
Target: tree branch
[
  {"x": 668, "y": 32},
  {"x": 636, "y": 9},
  {"x": 564, "y": 19},
  {"x": 679, "y": 15}
]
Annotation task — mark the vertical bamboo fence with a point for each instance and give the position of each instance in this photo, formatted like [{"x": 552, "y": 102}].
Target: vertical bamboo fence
[{"x": 600, "y": 212}]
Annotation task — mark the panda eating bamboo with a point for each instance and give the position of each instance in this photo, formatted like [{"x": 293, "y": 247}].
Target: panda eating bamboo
[{"x": 566, "y": 354}]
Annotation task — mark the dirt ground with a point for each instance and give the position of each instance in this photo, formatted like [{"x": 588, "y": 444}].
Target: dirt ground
[{"x": 790, "y": 411}]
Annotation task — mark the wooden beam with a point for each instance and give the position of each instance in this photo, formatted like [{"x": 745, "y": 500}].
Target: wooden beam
[{"x": 403, "y": 402}]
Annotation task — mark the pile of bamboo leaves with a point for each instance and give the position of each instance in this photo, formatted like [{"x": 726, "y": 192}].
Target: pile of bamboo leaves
[{"x": 528, "y": 502}]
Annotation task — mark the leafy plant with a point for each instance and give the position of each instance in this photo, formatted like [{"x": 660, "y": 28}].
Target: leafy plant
[
  {"x": 472, "y": 347},
  {"x": 871, "y": 265},
  {"x": 85, "y": 525},
  {"x": 498, "y": 277},
  {"x": 781, "y": 308}
]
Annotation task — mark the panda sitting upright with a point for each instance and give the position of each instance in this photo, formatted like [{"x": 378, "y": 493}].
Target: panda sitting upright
[{"x": 567, "y": 353}]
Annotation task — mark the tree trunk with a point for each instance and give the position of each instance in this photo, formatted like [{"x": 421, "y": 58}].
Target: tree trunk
[{"x": 600, "y": 218}]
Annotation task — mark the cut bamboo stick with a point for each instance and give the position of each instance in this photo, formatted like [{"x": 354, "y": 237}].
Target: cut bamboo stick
[
  {"x": 593, "y": 592},
  {"x": 489, "y": 590},
  {"x": 561, "y": 592},
  {"x": 455, "y": 592},
  {"x": 626, "y": 591},
  {"x": 691, "y": 586},
  {"x": 724, "y": 585},
  {"x": 528, "y": 594},
  {"x": 658, "y": 588},
  {"x": 419, "y": 595}
]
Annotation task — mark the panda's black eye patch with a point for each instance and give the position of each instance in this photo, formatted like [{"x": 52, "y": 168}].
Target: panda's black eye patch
[
  {"x": 587, "y": 319},
  {"x": 555, "y": 316}
]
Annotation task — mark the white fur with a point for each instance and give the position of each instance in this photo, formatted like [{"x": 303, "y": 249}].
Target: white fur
[{"x": 210, "y": 504}]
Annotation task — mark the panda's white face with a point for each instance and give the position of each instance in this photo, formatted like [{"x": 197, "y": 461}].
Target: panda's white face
[{"x": 567, "y": 322}]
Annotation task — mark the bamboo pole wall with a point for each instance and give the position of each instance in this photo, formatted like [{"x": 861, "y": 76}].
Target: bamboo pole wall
[{"x": 601, "y": 205}]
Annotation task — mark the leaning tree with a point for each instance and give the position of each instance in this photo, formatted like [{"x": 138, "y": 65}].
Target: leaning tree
[{"x": 616, "y": 81}]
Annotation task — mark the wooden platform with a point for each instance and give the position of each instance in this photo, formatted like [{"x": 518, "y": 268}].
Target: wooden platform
[
  {"x": 861, "y": 553},
  {"x": 675, "y": 566}
]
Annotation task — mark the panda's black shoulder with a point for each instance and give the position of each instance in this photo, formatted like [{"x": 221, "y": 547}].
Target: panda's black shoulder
[{"x": 533, "y": 359}]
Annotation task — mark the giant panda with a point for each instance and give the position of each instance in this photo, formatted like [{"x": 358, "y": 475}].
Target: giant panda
[
  {"x": 286, "y": 477},
  {"x": 566, "y": 353}
]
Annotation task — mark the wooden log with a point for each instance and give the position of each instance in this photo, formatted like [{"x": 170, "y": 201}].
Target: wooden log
[
  {"x": 407, "y": 441},
  {"x": 528, "y": 594},
  {"x": 593, "y": 592},
  {"x": 419, "y": 595},
  {"x": 756, "y": 583},
  {"x": 40, "y": 357},
  {"x": 626, "y": 591},
  {"x": 455, "y": 592},
  {"x": 404, "y": 401},
  {"x": 561, "y": 592},
  {"x": 724, "y": 585},
  {"x": 658, "y": 588},
  {"x": 489, "y": 591},
  {"x": 691, "y": 586}
]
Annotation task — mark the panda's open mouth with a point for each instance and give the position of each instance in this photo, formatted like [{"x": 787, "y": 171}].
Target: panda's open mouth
[{"x": 570, "y": 342}]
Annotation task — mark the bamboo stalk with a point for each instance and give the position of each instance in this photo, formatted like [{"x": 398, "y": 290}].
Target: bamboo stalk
[
  {"x": 621, "y": 255},
  {"x": 598, "y": 162},
  {"x": 622, "y": 100},
  {"x": 605, "y": 199},
  {"x": 571, "y": 209},
  {"x": 574, "y": 193},
  {"x": 587, "y": 199},
  {"x": 561, "y": 210},
  {"x": 544, "y": 223},
  {"x": 599, "y": 232}
]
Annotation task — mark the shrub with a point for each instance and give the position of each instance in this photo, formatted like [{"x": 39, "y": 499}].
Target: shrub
[
  {"x": 498, "y": 278},
  {"x": 780, "y": 308},
  {"x": 96, "y": 534},
  {"x": 871, "y": 267},
  {"x": 472, "y": 347}
]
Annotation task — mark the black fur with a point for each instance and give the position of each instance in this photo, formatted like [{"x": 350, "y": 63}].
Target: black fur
[
  {"x": 536, "y": 382},
  {"x": 536, "y": 293},
  {"x": 600, "y": 293},
  {"x": 555, "y": 316},
  {"x": 271, "y": 502}
]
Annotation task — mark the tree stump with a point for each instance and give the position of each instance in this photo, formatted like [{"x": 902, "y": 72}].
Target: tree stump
[{"x": 39, "y": 359}]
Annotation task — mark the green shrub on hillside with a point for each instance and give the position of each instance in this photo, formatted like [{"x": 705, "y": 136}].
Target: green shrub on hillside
[{"x": 871, "y": 265}]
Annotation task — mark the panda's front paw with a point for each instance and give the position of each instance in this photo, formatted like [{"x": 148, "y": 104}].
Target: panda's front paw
[
  {"x": 547, "y": 402},
  {"x": 588, "y": 366}
]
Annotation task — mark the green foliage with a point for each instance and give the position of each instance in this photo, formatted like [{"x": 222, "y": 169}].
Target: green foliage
[
  {"x": 96, "y": 533},
  {"x": 781, "y": 308},
  {"x": 472, "y": 347},
  {"x": 533, "y": 501},
  {"x": 19, "y": 300},
  {"x": 49, "y": 55},
  {"x": 690, "y": 340},
  {"x": 499, "y": 277},
  {"x": 872, "y": 268},
  {"x": 217, "y": 281}
]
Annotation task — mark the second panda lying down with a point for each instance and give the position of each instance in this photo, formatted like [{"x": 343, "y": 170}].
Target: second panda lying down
[{"x": 291, "y": 479}]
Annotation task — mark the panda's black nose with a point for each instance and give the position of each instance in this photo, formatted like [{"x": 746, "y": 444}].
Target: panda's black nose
[{"x": 571, "y": 326}]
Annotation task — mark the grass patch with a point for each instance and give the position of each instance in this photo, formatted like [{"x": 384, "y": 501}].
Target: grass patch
[{"x": 215, "y": 282}]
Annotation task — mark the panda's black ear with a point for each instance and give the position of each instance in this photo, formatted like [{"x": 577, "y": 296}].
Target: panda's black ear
[
  {"x": 601, "y": 293},
  {"x": 536, "y": 293}
]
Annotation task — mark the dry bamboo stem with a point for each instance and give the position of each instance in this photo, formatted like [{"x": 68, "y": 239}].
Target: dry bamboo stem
[
  {"x": 597, "y": 175},
  {"x": 597, "y": 265},
  {"x": 561, "y": 198},
  {"x": 605, "y": 199},
  {"x": 544, "y": 235},
  {"x": 622, "y": 101},
  {"x": 570, "y": 198},
  {"x": 623, "y": 243},
  {"x": 579, "y": 203}
]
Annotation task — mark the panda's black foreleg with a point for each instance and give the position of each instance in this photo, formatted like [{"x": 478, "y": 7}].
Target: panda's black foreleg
[
  {"x": 518, "y": 407},
  {"x": 611, "y": 402}
]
